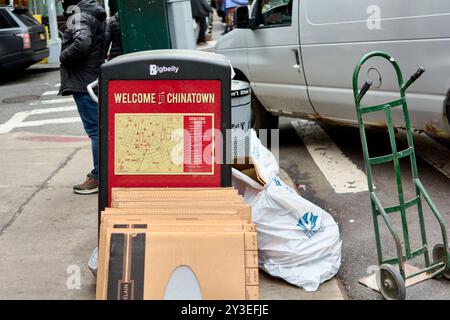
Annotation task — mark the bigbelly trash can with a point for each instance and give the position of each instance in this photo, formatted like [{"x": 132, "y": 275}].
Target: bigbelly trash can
[{"x": 164, "y": 117}]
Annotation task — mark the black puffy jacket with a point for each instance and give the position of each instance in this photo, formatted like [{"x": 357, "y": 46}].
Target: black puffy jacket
[
  {"x": 114, "y": 38},
  {"x": 83, "y": 47},
  {"x": 200, "y": 8}
]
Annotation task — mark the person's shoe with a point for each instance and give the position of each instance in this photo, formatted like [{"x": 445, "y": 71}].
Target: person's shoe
[
  {"x": 227, "y": 29},
  {"x": 89, "y": 186}
]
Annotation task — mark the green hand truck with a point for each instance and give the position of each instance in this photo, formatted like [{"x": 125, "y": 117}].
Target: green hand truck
[{"x": 391, "y": 277}]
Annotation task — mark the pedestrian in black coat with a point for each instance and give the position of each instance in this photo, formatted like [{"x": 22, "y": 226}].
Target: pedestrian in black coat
[
  {"x": 113, "y": 38},
  {"x": 82, "y": 54},
  {"x": 200, "y": 10},
  {"x": 83, "y": 46}
]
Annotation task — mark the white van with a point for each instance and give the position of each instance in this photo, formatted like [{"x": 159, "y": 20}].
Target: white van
[{"x": 299, "y": 56}]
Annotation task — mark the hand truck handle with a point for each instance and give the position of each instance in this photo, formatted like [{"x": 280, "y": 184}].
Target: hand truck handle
[
  {"x": 414, "y": 77},
  {"x": 418, "y": 73},
  {"x": 91, "y": 90},
  {"x": 364, "y": 90}
]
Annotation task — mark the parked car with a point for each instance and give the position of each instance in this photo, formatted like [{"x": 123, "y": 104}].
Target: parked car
[
  {"x": 23, "y": 41},
  {"x": 299, "y": 57}
]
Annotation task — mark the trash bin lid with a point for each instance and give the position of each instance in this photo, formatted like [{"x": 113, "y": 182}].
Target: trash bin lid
[
  {"x": 239, "y": 88},
  {"x": 171, "y": 54}
]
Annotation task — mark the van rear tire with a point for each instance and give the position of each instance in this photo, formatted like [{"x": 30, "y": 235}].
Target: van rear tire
[{"x": 261, "y": 118}]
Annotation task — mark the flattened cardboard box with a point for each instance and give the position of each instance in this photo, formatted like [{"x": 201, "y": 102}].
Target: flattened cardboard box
[
  {"x": 174, "y": 194},
  {"x": 159, "y": 226},
  {"x": 169, "y": 203},
  {"x": 190, "y": 218},
  {"x": 242, "y": 209},
  {"x": 176, "y": 189},
  {"x": 247, "y": 167},
  {"x": 168, "y": 219},
  {"x": 242, "y": 213},
  {"x": 143, "y": 225},
  {"x": 140, "y": 264}
]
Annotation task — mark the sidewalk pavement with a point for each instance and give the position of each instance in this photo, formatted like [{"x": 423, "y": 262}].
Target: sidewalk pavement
[
  {"x": 45, "y": 66},
  {"x": 218, "y": 28},
  {"x": 47, "y": 233}
]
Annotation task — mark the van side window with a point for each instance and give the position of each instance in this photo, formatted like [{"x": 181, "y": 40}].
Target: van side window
[{"x": 276, "y": 13}]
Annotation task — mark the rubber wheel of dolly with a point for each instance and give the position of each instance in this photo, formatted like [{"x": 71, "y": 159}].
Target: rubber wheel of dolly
[
  {"x": 438, "y": 256},
  {"x": 391, "y": 283}
]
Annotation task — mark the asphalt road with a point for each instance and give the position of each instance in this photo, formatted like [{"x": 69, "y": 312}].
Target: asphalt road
[
  {"x": 24, "y": 92},
  {"x": 49, "y": 115},
  {"x": 352, "y": 210}
]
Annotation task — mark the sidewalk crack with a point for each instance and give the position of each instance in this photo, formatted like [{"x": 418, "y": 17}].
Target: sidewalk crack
[{"x": 41, "y": 187}]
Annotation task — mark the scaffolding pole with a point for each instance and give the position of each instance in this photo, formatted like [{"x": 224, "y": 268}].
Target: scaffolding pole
[
  {"x": 54, "y": 43},
  {"x": 108, "y": 13}
]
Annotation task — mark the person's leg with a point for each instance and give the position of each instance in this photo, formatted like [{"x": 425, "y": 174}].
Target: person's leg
[
  {"x": 226, "y": 20},
  {"x": 197, "y": 20},
  {"x": 229, "y": 20},
  {"x": 210, "y": 22},
  {"x": 88, "y": 110},
  {"x": 203, "y": 27}
]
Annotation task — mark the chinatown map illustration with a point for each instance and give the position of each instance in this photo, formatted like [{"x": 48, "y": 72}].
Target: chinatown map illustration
[{"x": 150, "y": 144}]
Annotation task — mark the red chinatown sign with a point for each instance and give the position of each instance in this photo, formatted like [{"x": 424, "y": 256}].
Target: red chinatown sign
[{"x": 164, "y": 133}]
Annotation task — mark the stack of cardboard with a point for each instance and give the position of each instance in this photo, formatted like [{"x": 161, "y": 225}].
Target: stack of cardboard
[{"x": 151, "y": 236}]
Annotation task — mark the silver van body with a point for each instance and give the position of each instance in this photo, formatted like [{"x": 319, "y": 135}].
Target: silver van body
[{"x": 303, "y": 67}]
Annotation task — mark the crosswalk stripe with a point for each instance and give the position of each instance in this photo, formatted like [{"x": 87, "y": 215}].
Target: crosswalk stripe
[
  {"x": 50, "y": 93},
  {"x": 48, "y": 121},
  {"x": 342, "y": 174},
  {"x": 431, "y": 151},
  {"x": 52, "y": 101},
  {"x": 13, "y": 121},
  {"x": 17, "y": 120},
  {"x": 53, "y": 110}
]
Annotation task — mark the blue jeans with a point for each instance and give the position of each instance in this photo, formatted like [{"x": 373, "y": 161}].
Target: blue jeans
[{"x": 88, "y": 110}]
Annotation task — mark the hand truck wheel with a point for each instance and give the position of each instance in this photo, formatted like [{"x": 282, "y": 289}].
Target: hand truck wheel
[
  {"x": 391, "y": 283},
  {"x": 438, "y": 256}
]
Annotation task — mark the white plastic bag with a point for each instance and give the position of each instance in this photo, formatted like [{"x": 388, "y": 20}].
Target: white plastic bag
[
  {"x": 261, "y": 157},
  {"x": 265, "y": 164},
  {"x": 298, "y": 241}
]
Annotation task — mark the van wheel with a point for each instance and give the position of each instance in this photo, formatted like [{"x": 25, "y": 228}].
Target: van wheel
[{"x": 261, "y": 118}]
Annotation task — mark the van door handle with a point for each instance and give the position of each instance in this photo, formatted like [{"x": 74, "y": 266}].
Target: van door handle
[{"x": 297, "y": 59}]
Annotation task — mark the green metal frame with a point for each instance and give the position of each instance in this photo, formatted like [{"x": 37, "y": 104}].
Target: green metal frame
[{"x": 377, "y": 207}]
